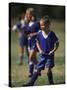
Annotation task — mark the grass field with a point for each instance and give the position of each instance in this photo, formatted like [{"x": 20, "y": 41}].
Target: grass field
[{"x": 19, "y": 74}]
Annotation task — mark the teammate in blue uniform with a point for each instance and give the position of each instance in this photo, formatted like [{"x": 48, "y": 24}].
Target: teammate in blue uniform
[
  {"x": 47, "y": 43},
  {"x": 23, "y": 41},
  {"x": 31, "y": 30}
]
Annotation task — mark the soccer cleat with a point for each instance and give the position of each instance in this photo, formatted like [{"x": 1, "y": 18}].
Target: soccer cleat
[
  {"x": 51, "y": 83},
  {"x": 27, "y": 84},
  {"x": 20, "y": 62},
  {"x": 30, "y": 75},
  {"x": 39, "y": 74}
]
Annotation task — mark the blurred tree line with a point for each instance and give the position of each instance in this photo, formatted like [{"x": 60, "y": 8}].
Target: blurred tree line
[{"x": 54, "y": 11}]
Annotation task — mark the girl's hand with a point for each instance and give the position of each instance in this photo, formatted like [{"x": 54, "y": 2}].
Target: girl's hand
[
  {"x": 50, "y": 53},
  {"x": 40, "y": 52},
  {"x": 55, "y": 48},
  {"x": 30, "y": 34}
]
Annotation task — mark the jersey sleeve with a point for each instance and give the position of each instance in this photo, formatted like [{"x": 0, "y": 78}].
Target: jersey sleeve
[
  {"x": 21, "y": 25},
  {"x": 37, "y": 38},
  {"x": 54, "y": 37}
]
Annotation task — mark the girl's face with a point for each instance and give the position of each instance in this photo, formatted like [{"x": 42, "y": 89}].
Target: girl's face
[
  {"x": 28, "y": 15},
  {"x": 42, "y": 25}
]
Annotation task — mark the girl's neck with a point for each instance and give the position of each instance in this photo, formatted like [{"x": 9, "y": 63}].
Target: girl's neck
[
  {"x": 46, "y": 31},
  {"x": 30, "y": 21}
]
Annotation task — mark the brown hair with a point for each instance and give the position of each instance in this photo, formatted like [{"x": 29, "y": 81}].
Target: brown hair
[{"x": 46, "y": 20}]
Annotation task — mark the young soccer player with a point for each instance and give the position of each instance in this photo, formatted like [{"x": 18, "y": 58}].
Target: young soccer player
[
  {"x": 31, "y": 31},
  {"x": 23, "y": 41},
  {"x": 47, "y": 43}
]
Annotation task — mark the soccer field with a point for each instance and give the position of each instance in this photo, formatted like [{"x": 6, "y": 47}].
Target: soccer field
[{"x": 19, "y": 74}]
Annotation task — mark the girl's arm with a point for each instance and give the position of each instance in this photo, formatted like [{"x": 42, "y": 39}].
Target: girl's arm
[
  {"x": 14, "y": 27},
  {"x": 56, "y": 45},
  {"x": 32, "y": 34},
  {"x": 38, "y": 47}
]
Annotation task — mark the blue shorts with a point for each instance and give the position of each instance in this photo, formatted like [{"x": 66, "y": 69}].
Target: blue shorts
[
  {"x": 45, "y": 61},
  {"x": 31, "y": 44},
  {"x": 23, "y": 41}
]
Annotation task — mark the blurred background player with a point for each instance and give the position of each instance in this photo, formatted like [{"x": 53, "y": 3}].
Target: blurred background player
[
  {"x": 47, "y": 43},
  {"x": 31, "y": 30},
  {"x": 23, "y": 40}
]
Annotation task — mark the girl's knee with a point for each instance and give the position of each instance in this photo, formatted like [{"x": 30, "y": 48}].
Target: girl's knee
[{"x": 32, "y": 55}]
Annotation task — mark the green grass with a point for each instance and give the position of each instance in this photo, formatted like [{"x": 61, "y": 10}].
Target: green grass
[{"x": 19, "y": 74}]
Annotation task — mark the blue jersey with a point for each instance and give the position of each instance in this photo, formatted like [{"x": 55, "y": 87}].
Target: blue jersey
[
  {"x": 20, "y": 26},
  {"x": 32, "y": 27},
  {"x": 47, "y": 44}
]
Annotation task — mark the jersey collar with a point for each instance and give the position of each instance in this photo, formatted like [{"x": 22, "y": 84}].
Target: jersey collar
[
  {"x": 45, "y": 35},
  {"x": 31, "y": 23}
]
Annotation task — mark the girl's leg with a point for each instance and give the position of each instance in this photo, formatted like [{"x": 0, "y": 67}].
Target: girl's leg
[
  {"x": 32, "y": 61},
  {"x": 33, "y": 78},
  {"x": 50, "y": 76},
  {"x": 31, "y": 64},
  {"x": 21, "y": 52},
  {"x": 36, "y": 73},
  {"x": 27, "y": 53}
]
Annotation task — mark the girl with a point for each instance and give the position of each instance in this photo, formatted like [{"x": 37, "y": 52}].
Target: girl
[
  {"x": 31, "y": 30},
  {"x": 47, "y": 43},
  {"x": 23, "y": 40}
]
